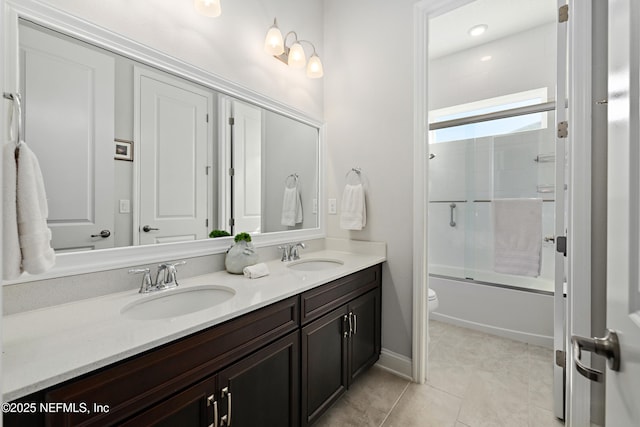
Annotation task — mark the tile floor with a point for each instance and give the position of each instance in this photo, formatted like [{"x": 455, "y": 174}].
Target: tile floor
[{"x": 475, "y": 380}]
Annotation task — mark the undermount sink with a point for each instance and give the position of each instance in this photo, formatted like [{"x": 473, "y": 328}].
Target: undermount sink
[
  {"x": 315, "y": 264},
  {"x": 177, "y": 302}
]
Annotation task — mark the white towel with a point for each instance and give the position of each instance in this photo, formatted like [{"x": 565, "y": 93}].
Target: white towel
[
  {"x": 11, "y": 255},
  {"x": 353, "y": 214},
  {"x": 291, "y": 207},
  {"x": 255, "y": 271},
  {"x": 27, "y": 212},
  {"x": 517, "y": 236}
]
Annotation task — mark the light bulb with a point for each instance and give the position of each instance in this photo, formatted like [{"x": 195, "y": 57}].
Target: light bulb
[
  {"x": 296, "y": 56},
  {"x": 273, "y": 42},
  {"x": 210, "y": 8},
  {"x": 314, "y": 67},
  {"x": 478, "y": 30}
]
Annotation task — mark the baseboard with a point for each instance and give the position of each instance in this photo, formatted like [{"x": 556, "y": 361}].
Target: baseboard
[
  {"x": 395, "y": 363},
  {"x": 541, "y": 340}
]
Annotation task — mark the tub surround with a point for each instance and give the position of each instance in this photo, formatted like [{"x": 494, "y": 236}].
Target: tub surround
[{"x": 50, "y": 345}]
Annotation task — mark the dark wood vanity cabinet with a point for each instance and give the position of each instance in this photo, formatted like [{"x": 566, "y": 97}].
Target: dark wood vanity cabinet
[
  {"x": 336, "y": 347},
  {"x": 281, "y": 365}
]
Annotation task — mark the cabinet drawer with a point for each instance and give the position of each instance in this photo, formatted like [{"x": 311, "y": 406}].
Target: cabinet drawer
[
  {"x": 319, "y": 301},
  {"x": 143, "y": 380}
]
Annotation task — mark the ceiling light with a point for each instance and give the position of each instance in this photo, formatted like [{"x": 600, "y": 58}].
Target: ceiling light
[
  {"x": 210, "y": 8},
  {"x": 486, "y": 58},
  {"x": 477, "y": 30},
  {"x": 293, "y": 55}
]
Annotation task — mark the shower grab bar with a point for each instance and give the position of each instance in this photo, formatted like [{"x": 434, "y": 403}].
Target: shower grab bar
[
  {"x": 504, "y": 114},
  {"x": 452, "y": 223}
]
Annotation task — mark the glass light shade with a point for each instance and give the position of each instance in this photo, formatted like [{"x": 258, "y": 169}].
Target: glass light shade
[
  {"x": 296, "y": 56},
  {"x": 273, "y": 43},
  {"x": 314, "y": 67},
  {"x": 210, "y": 8}
]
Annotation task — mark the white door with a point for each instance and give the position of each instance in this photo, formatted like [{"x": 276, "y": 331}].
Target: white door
[
  {"x": 246, "y": 154},
  {"x": 623, "y": 225},
  {"x": 69, "y": 124},
  {"x": 173, "y": 155}
]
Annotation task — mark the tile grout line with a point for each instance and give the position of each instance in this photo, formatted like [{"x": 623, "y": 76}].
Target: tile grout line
[{"x": 395, "y": 404}]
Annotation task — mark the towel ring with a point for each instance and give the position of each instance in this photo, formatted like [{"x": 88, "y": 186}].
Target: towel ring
[
  {"x": 357, "y": 171},
  {"x": 17, "y": 107},
  {"x": 295, "y": 180}
]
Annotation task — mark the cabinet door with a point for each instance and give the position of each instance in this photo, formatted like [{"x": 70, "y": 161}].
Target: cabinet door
[
  {"x": 324, "y": 363},
  {"x": 264, "y": 388},
  {"x": 195, "y": 406},
  {"x": 364, "y": 345}
]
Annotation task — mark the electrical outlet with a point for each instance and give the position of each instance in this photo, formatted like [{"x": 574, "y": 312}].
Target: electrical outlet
[
  {"x": 333, "y": 206},
  {"x": 125, "y": 206}
]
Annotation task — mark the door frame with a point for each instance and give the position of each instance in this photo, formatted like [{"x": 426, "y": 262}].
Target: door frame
[{"x": 579, "y": 241}]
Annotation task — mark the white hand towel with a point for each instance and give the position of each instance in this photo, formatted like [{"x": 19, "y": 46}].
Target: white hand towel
[
  {"x": 291, "y": 207},
  {"x": 34, "y": 236},
  {"x": 517, "y": 236},
  {"x": 353, "y": 214},
  {"x": 255, "y": 271},
  {"x": 11, "y": 255}
]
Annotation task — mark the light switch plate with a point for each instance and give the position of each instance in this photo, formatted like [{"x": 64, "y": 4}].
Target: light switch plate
[
  {"x": 333, "y": 206},
  {"x": 125, "y": 206}
]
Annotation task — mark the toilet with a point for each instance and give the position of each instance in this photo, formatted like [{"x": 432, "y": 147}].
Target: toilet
[{"x": 432, "y": 302}]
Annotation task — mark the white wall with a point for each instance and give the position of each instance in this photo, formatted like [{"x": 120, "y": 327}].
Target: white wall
[
  {"x": 369, "y": 121},
  {"x": 230, "y": 46},
  {"x": 524, "y": 61}
]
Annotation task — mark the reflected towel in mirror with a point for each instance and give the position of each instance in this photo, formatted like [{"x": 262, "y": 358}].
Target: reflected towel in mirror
[{"x": 291, "y": 207}]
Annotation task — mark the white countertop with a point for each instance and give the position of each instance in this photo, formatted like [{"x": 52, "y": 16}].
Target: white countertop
[{"x": 45, "y": 347}]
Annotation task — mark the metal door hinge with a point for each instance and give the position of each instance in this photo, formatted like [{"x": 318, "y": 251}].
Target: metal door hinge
[
  {"x": 232, "y": 171},
  {"x": 232, "y": 121},
  {"x": 563, "y": 129},
  {"x": 561, "y": 245},
  {"x": 561, "y": 358},
  {"x": 563, "y": 13},
  {"x": 232, "y": 222},
  {"x": 207, "y": 118},
  {"x": 206, "y": 222}
]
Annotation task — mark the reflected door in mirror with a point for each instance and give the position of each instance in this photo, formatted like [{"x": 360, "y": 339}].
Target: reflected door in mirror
[
  {"x": 174, "y": 136},
  {"x": 69, "y": 116}
]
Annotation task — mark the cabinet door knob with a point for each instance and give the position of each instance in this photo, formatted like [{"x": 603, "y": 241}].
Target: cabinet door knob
[{"x": 148, "y": 228}]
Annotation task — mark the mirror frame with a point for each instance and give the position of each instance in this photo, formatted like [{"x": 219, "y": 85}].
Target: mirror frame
[{"x": 107, "y": 259}]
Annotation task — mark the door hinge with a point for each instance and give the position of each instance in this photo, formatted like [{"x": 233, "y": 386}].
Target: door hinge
[
  {"x": 232, "y": 121},
  {"x": 561, "y": 245},
  {"x": 206, "y": 222},
  {"x": 561, "y": 358},
  {"x": 207, "y": 118},
  {"x": 232, "y": 172},
  {"x": 232, "y": 222},
  {"x": 563, "y": 13},
  {"x": 563, "y": 129},
  {"x": 206, "y": 170}
]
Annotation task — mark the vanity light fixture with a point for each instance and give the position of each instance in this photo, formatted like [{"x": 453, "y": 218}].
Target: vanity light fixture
[
  {"x": 210, "y": 8},
  {"x": 293, "y": 55},
  {"x": 478, "y": 30}
]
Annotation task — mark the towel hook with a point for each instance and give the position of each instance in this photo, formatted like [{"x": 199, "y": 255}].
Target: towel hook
[
  {"x": 357, "y": 171},
  {"x": 295, "y": 180},
  {"x": 17, "y": 104}
]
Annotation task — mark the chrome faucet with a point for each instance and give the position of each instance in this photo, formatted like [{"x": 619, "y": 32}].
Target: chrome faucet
[
  {"x": 290, "y": 251},
  {"x": 165, "y": 277}
]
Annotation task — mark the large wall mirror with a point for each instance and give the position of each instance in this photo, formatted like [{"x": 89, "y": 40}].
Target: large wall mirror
[{"x": 134, "y": 153}]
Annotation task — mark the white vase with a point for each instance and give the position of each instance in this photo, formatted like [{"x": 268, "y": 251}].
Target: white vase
[{"x": 239, "y": 256}]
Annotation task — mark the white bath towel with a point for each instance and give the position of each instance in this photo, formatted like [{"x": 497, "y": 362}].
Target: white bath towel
[
  {"x": 31, "y": 211},
  {"x": 353, "y": 212},
  {"x": 255, "y": 271},
  {"x": 291, "y": 207},
  {"x": 517, "y": 225}
]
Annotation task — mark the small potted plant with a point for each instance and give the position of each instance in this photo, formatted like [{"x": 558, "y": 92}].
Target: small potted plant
[
  {"x": 219, "y": 233},
  {"x": 242, "y": 254}
]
